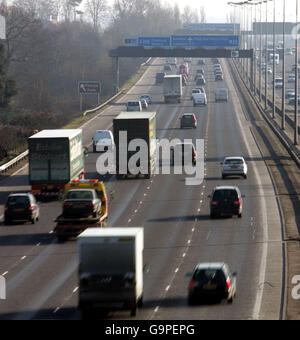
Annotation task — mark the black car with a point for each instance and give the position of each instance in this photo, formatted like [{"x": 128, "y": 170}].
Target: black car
[
  {"x": 188, "y": 120},
  {"x": 21, "y": 208},
  {"x": 212, "y": 281},
  {"x": 201, "y": 62},
  {"x": 81, "y": 203},
  {"x": 200, "y": 81},
  {"x": 219, "y": 77},
  {"x": 226, "y": 201}
]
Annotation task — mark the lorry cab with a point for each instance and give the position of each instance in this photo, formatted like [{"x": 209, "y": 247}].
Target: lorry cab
[{"x": 95, "y": 184}]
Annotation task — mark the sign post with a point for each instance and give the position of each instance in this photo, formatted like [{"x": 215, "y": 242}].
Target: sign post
[{"x": 89, "y": 88}]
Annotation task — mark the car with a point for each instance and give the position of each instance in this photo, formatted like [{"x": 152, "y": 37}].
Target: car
[
  {"x": 159, "y": 77},
  {"x": 202, "y": 89},
  {"x": 188, "y": 120},
  {"x": 147, "y": 98},
  {"x": 289, "y": 93},
  {"x": 226, "y": 200},
  {"x": 278, "y": 83},
  {"x": 183, "y": 153},
  {"x": 168, "y": 68},
  {"x": 221, "y": 95},
  {"x": 218, "y": 70},
  {"x": 184, "y": 79},
  {"x": 200, "y": 71},
  {"x": 291, "y": 78},
  {"x": 103, "y": 141},
  {"x": 195, "y": 91},
  {"x": 198, "y": 76},
  {"x": 292, "y": 100},
  {"x": 219, "y": 77},
  {"x": 199, "y": 99},
  {"x": 21, "y": 207},
  {"x": 234, "y": 166},
  {"x": 212, "y": 281},
  {"x": 134, "y": 106},
  {"x": 200, "y": 81},
  {"x": 82, "y": 203},
  {"x": 144, "y": 104},
  {"x": 201, "y": 62}
]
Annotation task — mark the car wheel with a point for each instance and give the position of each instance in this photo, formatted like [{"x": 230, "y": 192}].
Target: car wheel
[
  {"x": 7, "y": 222},
  {"x": 245, "y": 176},
  {"x": 223, "y": 177},
  {"x": 94, "y": 148},
  {"x": 212, "y": 216},
  {"x": 240, "y": 215},
  {"x": 34, "y": 220}
]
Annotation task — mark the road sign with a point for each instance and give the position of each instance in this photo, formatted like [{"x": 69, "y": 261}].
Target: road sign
[
  {"x": 154, "y": 41},
  {"x": 89, "y": 87},
  {"x": 196, "y": 41},
  {"x": 235, "y": 54},
  {"x": 2, "y": 27},
  {"x": 130, "y": 40}
]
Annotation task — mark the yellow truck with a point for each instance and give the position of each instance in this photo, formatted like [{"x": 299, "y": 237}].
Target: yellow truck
[{"x": 68, "y": 227}]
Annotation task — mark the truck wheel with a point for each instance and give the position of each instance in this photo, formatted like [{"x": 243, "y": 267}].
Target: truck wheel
[
  {"x": 141, "y": 302},
  {"x": 61, "y": 239},
  {"x": 133, "y": 311},
  {"x": 94, "y": 148}
]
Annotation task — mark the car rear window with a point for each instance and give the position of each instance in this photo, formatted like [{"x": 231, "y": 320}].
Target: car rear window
[
  {"x": 188, "y": 117},
  {"x": 103, "y": 134},
  {"x": 80, "y": 195},
  {"x": 18, "y": 200},
  {"x": 225, "y": 194},
  {"x": 209, "y": 275},
  {"x": 233, "y": 162}
]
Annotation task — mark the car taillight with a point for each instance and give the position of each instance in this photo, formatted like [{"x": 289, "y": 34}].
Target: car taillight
[
  {"x": 31, "y": 207},
  {"x": 228, "y": 283},
  {"x": 91, "y": 205},
  {"x": 6, "y": 208},
  {"x": 66, "y": 205},
  {"x": 192, "y": 285},
  {"x": 214, "y": 203},
  {"x": 239, "y": 202}
]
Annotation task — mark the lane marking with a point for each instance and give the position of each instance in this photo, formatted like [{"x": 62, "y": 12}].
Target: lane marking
[{"x": 5, "y": 273}]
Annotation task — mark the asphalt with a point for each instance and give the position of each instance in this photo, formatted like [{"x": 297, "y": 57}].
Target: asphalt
[{"x": 42, "y": 274}]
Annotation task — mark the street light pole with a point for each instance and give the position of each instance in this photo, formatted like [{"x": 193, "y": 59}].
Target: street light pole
[
  {"x": 283, "y": 69},
  {"x": 274, "y": 61},
  {"x": 266, "y": 59},
  {"x": 296, "y": 82}
]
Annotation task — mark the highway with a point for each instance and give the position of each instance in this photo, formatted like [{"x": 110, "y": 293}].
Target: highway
[{"x": 42, "y": 274}]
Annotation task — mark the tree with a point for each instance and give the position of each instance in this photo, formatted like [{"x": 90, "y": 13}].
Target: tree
[
  {"x": 95, "y": 10},
  {"x": 7, "y": 85}
]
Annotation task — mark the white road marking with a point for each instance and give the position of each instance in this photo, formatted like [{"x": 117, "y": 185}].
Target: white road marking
[
  {"x": 167, "y": 288},
  {"x": 23, "y": 258},
  {"x": 56, "y": 310},
  {"x": 5, "y": 273},
  {"x": 156, "y": 309},
  {"x": 75, "y": 290}
]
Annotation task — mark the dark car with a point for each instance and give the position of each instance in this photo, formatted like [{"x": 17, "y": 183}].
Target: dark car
[
  {"x": 21, "y": 208},
  {"x": 200, "y": 81},
  {"x": 201, "y": 62},
  {"x": 212, "y": 281},
  {"x": 226, "y": 201},
  {"x": 167, "y": 68},
  {"x": 80, "y": 203},
  {"x": 200, "y": 71},
  {"x": 159, "y": 78},
  {"x": 183, "y": 152},
  {"x": 219, "y": 77},
  {"x": 188, "y": 120}
]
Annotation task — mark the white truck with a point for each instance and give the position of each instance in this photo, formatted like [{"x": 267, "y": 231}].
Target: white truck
[
  {"x": 172, "y": 88},
  {"x": 110, "y": 269}
]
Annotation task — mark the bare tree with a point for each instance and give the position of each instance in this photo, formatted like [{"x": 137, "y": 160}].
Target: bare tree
[
  {"x": 95, "y": 10},
  {"x": 189, "y": 15},
  {"x": 202, "y": 15}
]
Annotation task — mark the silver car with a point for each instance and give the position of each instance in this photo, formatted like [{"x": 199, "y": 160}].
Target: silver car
[
  {"x": 221, "y": 95},
  {"x": 234, "y": 166}
]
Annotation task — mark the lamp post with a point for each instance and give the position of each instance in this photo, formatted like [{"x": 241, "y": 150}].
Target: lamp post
[
  {"x": 296, "y": 82},
  {"x": 274, "y": 59},
  {"x": 283, "y": 70}
]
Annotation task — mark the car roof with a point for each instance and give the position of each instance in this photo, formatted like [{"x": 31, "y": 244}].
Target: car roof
[
  {"x": 226, "y": 188},
  {"x": 24, "y": 194},
  {"x": 234, "y": 157},
  {"x": 210, "y": 265}
]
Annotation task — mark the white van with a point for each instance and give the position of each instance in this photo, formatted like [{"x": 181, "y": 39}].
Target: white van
[
  {"x": 276, "y": 58},
  {"x": 103, "y": 141},
  {"x": 199, "y": 99}
]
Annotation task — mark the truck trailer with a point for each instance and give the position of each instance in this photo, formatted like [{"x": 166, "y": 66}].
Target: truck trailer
[
  {"x": 129, "y": 127},
  {"x": 173, "y": 88},
  {"x": 56, "y": 157},
  {"x": 110, "y": 270}
]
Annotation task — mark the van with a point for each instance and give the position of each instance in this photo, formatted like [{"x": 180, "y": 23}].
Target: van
[
  {"x": 103, "y": 141},
  {"x": 199, "y": 99},
  {"x": 134, "y": 106},
  {"x": 221, "y": 95}
]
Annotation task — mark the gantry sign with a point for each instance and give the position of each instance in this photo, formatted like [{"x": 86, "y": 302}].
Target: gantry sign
[{"x": 180, "y": 46}]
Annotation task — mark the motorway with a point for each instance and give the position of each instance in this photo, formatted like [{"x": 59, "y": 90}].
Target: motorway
[{"x": 41, "y": 274}]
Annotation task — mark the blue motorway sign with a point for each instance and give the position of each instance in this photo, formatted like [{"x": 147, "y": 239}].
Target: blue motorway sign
[
  {"x": 154, "y": 41},
  {"x": 195, "y": 41}
]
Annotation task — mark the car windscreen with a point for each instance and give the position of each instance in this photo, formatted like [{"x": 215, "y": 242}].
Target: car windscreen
[
  {"x": 18, "y": 201},
  {"x": 225, "y": 194},
  {"x": 204, "y": 276},
  {"x": 80, "y": 195},
  {"x": 102, "y": 134}
]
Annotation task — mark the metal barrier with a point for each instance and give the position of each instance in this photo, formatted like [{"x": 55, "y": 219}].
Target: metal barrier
[{"x": 13, "y": 162}]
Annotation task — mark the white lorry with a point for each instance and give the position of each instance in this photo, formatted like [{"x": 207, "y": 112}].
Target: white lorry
[
  {"x": 110, "y": 270},
  {"x": 172, "y": 88}
]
